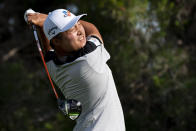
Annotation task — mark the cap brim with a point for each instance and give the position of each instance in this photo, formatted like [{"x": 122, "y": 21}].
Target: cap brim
[{"x": 73, "y": 22}]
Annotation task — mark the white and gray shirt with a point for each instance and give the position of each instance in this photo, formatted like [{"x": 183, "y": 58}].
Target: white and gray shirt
[{"x": 86, "y": 77}]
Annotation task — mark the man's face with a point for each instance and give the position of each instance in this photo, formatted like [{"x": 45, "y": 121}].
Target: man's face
[{"x": 69, "y": 41}]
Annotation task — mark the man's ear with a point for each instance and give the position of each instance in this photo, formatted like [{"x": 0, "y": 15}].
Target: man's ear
[{"x": 54, "y": 42}]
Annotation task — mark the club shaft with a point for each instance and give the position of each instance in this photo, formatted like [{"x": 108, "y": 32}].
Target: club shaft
[{"x": 43, "y": 60}]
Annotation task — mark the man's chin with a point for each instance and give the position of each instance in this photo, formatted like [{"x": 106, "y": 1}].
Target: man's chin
[{"x": 83, "y": 42}]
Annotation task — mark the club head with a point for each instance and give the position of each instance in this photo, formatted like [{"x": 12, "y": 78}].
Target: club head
[
  {"x": 75, "y": 109},
  {"x": 72, "y": 108}
]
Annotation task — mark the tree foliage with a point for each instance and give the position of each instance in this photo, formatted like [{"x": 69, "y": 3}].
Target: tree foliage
[{"x": 152, "y": 48}]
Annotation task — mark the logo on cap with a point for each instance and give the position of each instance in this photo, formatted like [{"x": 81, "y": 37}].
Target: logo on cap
[
  {"x": 51, "y": 31},
  {"x": 66, "y": 13}
]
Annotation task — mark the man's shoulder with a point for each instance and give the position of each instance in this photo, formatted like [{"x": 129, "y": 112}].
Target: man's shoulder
[{"x": 94, "y": 39}]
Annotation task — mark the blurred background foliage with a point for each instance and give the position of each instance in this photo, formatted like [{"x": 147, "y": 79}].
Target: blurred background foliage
[{"x": 152, "y": 45}]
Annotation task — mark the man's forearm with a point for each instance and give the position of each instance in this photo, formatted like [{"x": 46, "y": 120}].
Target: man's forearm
[
  {"x": 38, "y": 20},
  {"x": 90, "y": 29}
]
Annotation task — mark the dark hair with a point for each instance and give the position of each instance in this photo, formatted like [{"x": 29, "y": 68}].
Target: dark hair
[{"x": 58, "y": 36}]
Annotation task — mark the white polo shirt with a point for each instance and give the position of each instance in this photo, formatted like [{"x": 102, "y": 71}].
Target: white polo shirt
[{"x": 87, "y": 78}]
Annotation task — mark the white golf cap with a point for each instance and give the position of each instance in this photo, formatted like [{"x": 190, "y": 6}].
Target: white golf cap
[{"x": 59, "y": 20}]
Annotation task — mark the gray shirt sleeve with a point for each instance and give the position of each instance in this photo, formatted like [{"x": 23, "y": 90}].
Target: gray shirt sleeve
[{"x": 98, "y": 58}]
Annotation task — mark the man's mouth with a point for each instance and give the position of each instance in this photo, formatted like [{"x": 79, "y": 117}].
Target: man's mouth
[{"x": 81, "y": 37}]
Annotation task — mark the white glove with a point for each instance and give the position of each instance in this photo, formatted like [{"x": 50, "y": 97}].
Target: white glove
[{"x": 27, "y": 12}]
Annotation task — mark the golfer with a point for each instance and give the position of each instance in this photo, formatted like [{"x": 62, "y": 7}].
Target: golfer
[{"x": 76, "y": 59}]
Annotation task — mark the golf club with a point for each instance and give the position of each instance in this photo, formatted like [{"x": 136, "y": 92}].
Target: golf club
[{"x": 69, "y": 107}]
